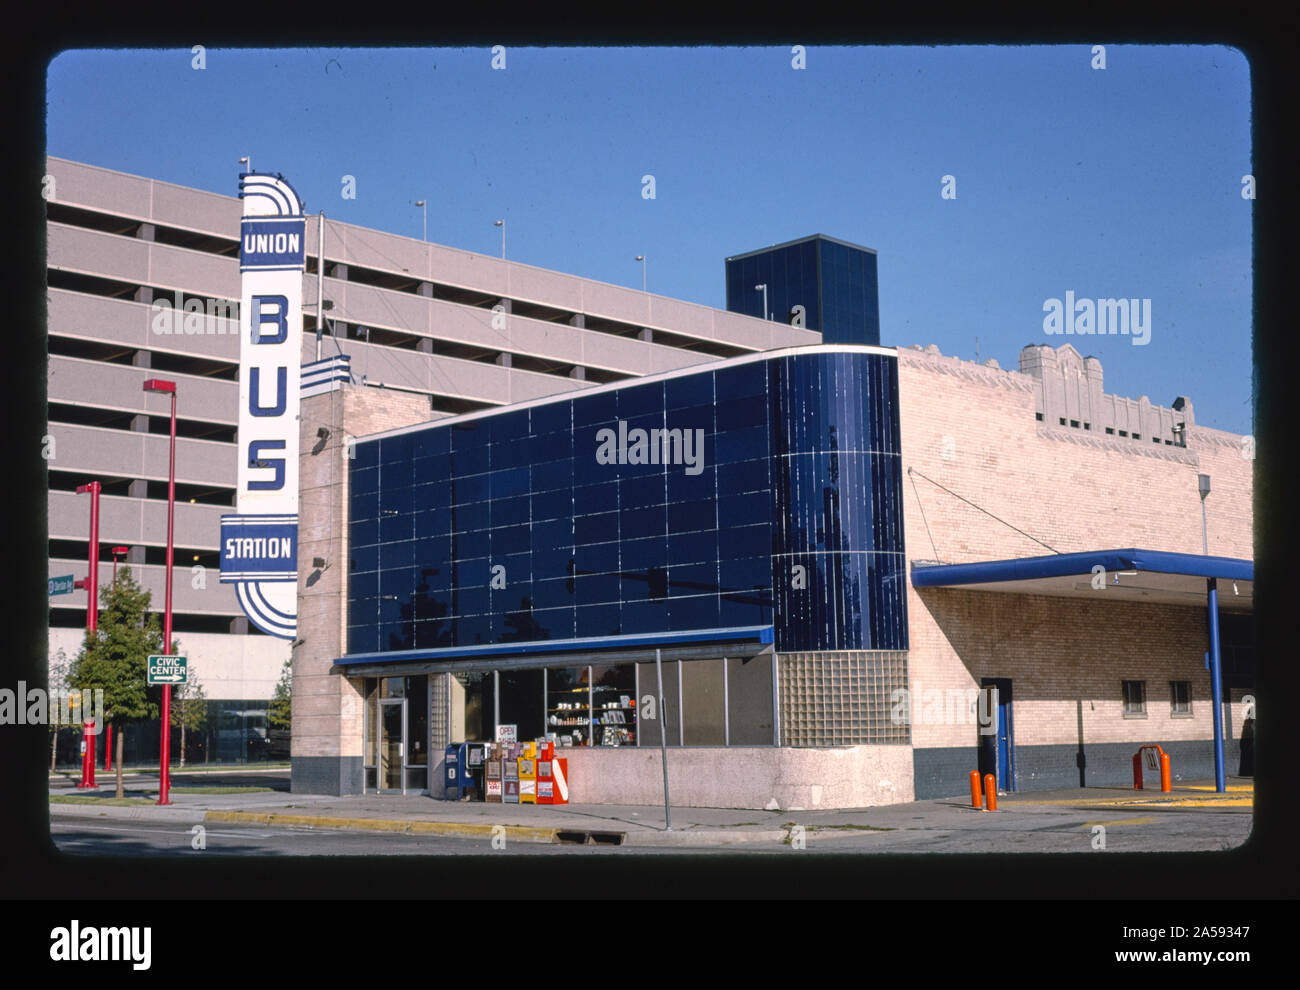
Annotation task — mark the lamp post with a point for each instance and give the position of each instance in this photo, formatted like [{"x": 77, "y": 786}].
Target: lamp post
[
  {"x": 1214, "y": 661},
  {"x": 164, "y": 780},
  {"x": 762, "y": 286},
  {"x": 641, "y": 258},
  {"x": 502, "y": 225},
  {"x": 118, "y": 552},
  {"x": 91, "y": 584},
  {"x": 425, "y": 210},
  {"x": 108, "y": 729},
  {"x": 92, "y": 579},
  {"x": 248, "y": 160}
]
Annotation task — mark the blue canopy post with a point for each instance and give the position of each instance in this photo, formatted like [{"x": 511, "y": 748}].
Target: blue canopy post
[{"x": 1216, "y": 683}]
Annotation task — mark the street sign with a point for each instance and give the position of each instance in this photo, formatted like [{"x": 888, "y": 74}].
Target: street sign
[
  {"x": 167, "y": 670},
  {"x": 62, "y": 585}
]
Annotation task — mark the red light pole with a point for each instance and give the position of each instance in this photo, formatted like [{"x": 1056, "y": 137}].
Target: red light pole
[
  {"x": 92, "y": 598},
  {"x": 118, "y": 552},
  {"x": 164, "y": 779},
  {"x": 108, "y": 727},
  {"x": 91, "y": 584}
]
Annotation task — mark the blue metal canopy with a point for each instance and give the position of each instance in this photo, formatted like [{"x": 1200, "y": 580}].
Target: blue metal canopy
[
  {"x": 759, "y": 634},
  {"x": 1079, "y": 564}
]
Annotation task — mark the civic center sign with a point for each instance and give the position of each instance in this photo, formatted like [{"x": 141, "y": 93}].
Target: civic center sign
[{"x": 259, "y": 542}]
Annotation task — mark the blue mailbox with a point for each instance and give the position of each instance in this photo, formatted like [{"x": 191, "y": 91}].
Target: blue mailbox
[{"x": 458, "y": 775}]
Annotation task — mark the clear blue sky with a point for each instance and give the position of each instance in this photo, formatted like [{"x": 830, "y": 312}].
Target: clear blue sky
[{"x": 1117, "y": 182}]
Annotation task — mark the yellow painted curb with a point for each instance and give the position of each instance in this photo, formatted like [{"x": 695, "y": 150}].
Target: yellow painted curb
[
  {"x": 1122, "y": 821},
  {"x": 522, "y": 833},
  {"x": 237, "y": 816}
]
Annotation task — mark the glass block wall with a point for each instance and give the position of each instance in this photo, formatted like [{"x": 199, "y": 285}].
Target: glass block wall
[{"x": 841, "y": 698}]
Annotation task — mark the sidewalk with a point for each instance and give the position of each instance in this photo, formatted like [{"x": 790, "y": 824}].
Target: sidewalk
[{"x": 634, "y": 826}]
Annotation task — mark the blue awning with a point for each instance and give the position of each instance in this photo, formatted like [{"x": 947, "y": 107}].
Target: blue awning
[
  {"x": 756, "y": 634},
  {"x": 1070, "y": 564},
  {"x": 1131, "y": 574}
]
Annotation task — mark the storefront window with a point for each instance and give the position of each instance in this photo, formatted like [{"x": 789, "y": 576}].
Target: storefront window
[
  {"x": 749, "y": 701},
  {"x": 667, "y": 717},
  {"x": 417, "y": 732},
  {"x": 613, "y": 691},
  {"x": 370, "y": 721},
  {"x": 568, "y": 705},
  {"x": 472, "y": 706},
  {"x": 521, "y": 702},
  {"x": 703, "y": 711}
]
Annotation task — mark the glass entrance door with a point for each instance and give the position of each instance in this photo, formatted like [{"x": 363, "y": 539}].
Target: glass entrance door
[{"x": 392, "y": 734}]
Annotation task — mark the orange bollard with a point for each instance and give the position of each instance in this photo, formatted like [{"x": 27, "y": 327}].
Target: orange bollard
[
  {"x": 1165, "y": 784},
  {"x": 975, "y": 789},
  {"x": 1137, "y": 770},
  {"x": 990, "y": 792}
]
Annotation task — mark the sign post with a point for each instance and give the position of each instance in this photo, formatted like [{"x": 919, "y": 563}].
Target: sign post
[{"x": 663, "y": 738}]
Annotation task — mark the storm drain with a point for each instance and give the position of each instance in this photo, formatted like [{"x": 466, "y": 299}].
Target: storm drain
[{"x": 576, "y": 838}]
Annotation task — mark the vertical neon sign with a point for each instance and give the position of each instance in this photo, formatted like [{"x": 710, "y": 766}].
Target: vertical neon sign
[{"x": 259, "y": 542}]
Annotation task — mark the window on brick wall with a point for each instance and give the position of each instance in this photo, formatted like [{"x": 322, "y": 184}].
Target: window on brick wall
[
  {"x": 1135, "y": 699},
  {"x": 1038, "y": 416},
  {"x": 1123, "y": 433},
  {"x": 1180, "y": 699},
  {"x": 1074, "y": 423},
  {"x": 1110, "y": 430}
]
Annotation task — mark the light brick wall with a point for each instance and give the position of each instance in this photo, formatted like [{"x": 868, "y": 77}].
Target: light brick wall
[
  {"x": 327, "y": 710},
  {"x": 972, "y": 429}
]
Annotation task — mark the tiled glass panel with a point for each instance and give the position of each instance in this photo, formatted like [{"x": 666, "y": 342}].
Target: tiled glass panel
[{"x": 799, "y": 468}]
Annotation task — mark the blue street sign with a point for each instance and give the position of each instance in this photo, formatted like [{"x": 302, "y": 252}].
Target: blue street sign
[{"x": 62, "y": 585}]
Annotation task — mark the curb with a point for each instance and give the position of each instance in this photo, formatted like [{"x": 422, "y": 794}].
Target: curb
[
  {"x": 520, "y": 833},
  {"x": 190, "y": 816}
]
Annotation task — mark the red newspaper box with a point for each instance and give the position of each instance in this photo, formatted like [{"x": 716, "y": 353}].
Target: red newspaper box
[{"x": 553, "y": 781}]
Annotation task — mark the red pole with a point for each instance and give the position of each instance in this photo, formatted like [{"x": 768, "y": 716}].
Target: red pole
[
  {"x": 1165, "y": 783},
  {"x": 92, "y": 581},
  {"x": 85, "y": 771},
  {"x": 108, "y": 746},
  {"x": 1137, "y": 770},
  {"x": 164, "y": 757},
  {"x": 165, "y": 769},
  {"x": 975, "y": 789},
  {"x": 90, "y": 751}
]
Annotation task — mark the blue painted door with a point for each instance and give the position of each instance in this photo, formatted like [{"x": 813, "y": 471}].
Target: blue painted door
[{"x": 1006, "y": 771}]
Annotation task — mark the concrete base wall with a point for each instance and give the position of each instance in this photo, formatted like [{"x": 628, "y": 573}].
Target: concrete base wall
[
  {"x": 336, "y": 775},
  {"x": 742, "y": 777},
  {"x": 945, "y": 772}
]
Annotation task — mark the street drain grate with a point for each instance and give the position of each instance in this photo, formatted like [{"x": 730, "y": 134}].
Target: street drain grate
[{"x": 575, "y": 838}]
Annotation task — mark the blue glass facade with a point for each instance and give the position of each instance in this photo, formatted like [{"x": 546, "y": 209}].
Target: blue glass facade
[
  {"x": 558, "y": 520},
  {"x": 836, "y": 283}
]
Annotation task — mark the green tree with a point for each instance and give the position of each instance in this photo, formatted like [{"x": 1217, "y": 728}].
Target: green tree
[
  {"x": 115, "y": 658},
  {"x": 189, "y": 707},
  {"x": 279, "y": 712}
]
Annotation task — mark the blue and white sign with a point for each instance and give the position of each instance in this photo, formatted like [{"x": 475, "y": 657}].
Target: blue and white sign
[
  {"x": 271, "y": 245},
  {"x": 259, "y": 542},
  {"x": 62, "y": 585},
  {"x": 259, "y": 548}
]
